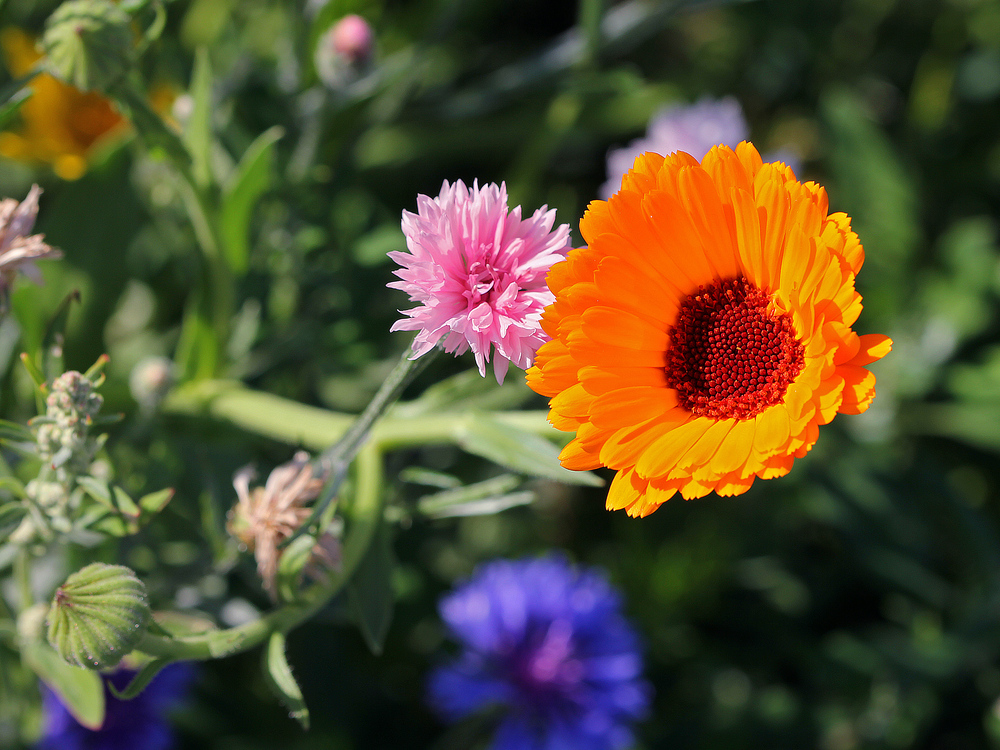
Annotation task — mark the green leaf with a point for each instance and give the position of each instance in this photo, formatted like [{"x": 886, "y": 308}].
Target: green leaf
[
  {"x": 80, "y": 690},
  {"x": 292, "y": 562},
  {"x": 467, "y": 390},
  {"x": 13, "y": 105},
  {"x": 429, "y": 478},
  {"x": 482, "y": 498},
  {"x": 16, "y": 432},
  {"x": 141, "y": 680},
  {"x": 198, "y": 133},
  {"x": 11, "y": 516},
  {"x": 519, "y": 450},
  {"x": 126, "y": 505},
  {"x": 370, "y": 591},
  {"x": 251, "y": 180},
  {"x": 51, "y": 354},
  {"x": 97, "y": 489},
  {"x": 154, "y": 502},
  {"x": 282, "y": 681}
]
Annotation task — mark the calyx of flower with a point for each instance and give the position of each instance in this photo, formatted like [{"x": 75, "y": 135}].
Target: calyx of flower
[
  {"x": 98, "y": 615},
  {"x": 89, "y": 44}
]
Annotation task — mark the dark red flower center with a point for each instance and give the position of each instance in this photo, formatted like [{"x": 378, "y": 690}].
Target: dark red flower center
[{"x": 730, "y": 355}]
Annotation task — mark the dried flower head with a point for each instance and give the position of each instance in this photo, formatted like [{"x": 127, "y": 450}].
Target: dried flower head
[
  {"x": 265, "y": 516},
  {"x": 19, "y": 249},
  {"x": 478, "y": 272}
]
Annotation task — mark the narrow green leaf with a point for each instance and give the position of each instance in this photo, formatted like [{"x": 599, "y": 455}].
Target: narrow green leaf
[
  {"x": 487, "y": 506},
  {"x": 12, "y": 106},
  {"x": 141, "y": 680},
  {"x": 467, "y": 390},
  {"x": 35, "y": 373},
  {"x": 198, "y": 133},
  {"x": 282, "y": 681},
  {"x": 51, "y": 354},
  {"x": 519, "y": 450},
  {"x": 15, "y": 431},
  {"x": 11, "y": 516},
  {"x": 154, "y": 502},
  {"x": 429, "y": 478},
  {"x": 370, "y": 591},
  {"x": 13, "y": 485},
  {"x": 79, "y": 690},
  {"x": 482, "y": 498},
  {"x": 97, "y": 489},
  {"x": 126, "y": 505},
  {"x": 430, "y": 504},
  {"x": 250, "y": 181}
]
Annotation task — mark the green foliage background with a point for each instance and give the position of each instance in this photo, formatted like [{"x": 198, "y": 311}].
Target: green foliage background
[{"x": 853, "y": 604}]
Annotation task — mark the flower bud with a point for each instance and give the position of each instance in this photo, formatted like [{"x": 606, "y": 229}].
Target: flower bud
[
  {"x": 344, "y": 51},
  {"x": 89, "y": 44},
  {"x": 150, "y": 381},
  {"x": 351, "y": 37},
  {"x": 98, "y": 615}
]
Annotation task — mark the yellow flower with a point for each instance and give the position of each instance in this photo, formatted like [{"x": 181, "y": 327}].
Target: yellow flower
[
  {"x": 705, "y": 332},
  {"x": 60, "y": 125}
]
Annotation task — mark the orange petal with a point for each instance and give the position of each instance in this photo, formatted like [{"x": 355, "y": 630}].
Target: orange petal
[
  {"x": 702, "y": 453},
  {"x": 625, "y": 406},
  {"x": 625, "y": 490},
  {"x": 626, "y": 446},
  {"x": 859, "y": 388},
  {"x": 611, "y": 325},
  {"x": 576, "y": 457},
  {"x": 661, "y": 457},
  {"x": 873, "y": 347}
]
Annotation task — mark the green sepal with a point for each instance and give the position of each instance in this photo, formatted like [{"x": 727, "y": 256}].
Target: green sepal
[
  {"x": 98, "y": 615},
  {"x": 142, "y": 678},
  {"x": 88, "y": 44},
  {"x": 291, "y": 564}
]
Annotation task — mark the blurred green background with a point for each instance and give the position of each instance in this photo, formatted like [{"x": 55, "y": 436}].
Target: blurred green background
[{"x": 853, "y": 604}]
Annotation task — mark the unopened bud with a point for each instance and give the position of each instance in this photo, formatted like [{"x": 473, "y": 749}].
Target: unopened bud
[
  {"x": 98, "y": 615},
  {"x": 89, "y": 44},
  {"x": 344, "y": 51}
]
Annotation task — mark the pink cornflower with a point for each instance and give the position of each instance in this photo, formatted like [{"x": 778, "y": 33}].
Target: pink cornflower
[{"x": 478, "y": 273}]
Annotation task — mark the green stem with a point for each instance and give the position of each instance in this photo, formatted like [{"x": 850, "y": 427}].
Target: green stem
[
  {"x": 312, "y": 427},
  {"x": 589, "y": 21},
  {"x": 336, "y": 459}
]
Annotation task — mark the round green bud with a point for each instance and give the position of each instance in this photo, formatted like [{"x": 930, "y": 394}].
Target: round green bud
[
  {"x": 89, "y": 44},
  {"x": 98, "y": 615}
]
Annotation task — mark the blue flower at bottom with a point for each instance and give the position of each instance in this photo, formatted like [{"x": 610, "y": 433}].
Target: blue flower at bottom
[
  {"x": 548, "y": 645},
  {"x": 137, "y": 724}
]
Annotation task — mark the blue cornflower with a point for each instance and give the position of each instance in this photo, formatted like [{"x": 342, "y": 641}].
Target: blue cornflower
[
  {"x": 547, "y": 645},
  {"x": 137, "y": 724}
]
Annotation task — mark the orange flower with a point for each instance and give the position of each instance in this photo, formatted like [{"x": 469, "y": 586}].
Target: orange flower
[
  {"x": 704, "y": 333},
  {"x": 61, "y": 125}
]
